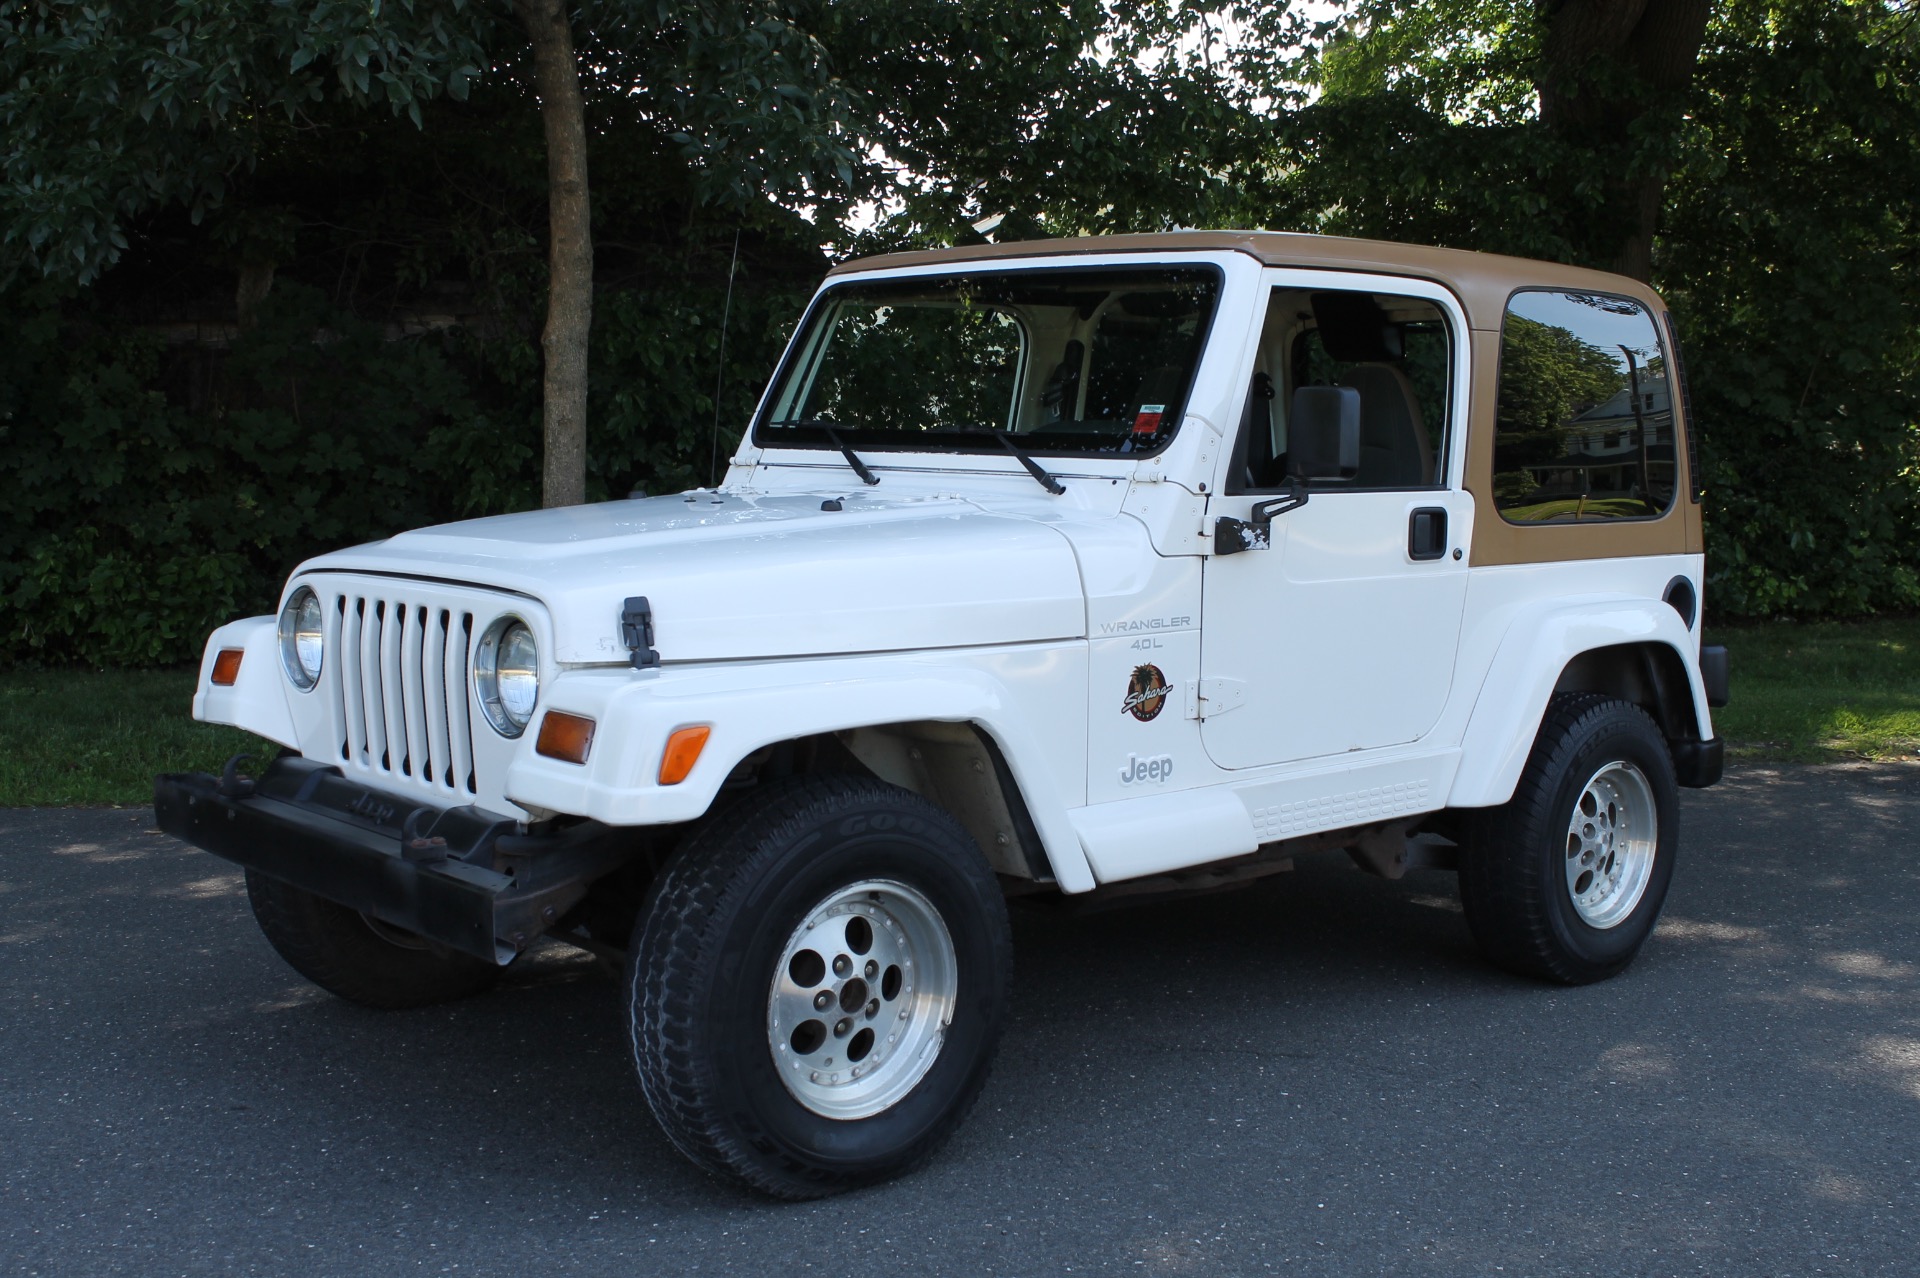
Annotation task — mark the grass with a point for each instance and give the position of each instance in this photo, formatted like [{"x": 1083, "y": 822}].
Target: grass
[
  {"x": 72, "y": 737},
  {"x": 1802, "y": 692},
  {"x": 1813, "y": 692}
]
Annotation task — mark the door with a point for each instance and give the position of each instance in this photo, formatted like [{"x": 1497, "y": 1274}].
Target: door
[{"x": 1339, "y": 634}]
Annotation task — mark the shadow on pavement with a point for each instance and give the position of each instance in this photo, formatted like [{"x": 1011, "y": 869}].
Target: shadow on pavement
[{"x": 1314, "y": 1074}]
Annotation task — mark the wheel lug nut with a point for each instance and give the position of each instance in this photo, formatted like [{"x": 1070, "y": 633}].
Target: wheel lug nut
[
  {"x": 873, "y": 969},
  {"x": 822, "y": 1000},
  {"x": 873, "y": 1009},
  {"x": 842, "y": 965},
  {"x": 841, "y": 1026}
]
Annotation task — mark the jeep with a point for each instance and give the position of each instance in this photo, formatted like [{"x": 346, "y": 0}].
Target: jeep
[{"x": 1097, "y": 569}]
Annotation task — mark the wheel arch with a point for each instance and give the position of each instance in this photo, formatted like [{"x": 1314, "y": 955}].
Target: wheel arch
[
  {"x": 1638, "y": 650},
  {"x": 980, "y": 754},
  {"x": 955, "y": 764}
]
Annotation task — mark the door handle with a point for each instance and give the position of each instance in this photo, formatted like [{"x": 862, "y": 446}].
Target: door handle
[{"x": 1427, "y": 533}]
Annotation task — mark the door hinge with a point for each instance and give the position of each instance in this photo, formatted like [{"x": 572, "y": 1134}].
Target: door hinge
[{"x": 1207, "y": 698}]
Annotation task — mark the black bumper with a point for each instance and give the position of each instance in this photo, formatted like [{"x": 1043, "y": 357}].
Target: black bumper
[{"x": 460, "y": 876}]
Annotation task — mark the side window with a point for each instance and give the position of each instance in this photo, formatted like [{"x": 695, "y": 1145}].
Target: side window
[
  {"x": 1392, "y": 352},
  {"x": 1584, "y": 426}
]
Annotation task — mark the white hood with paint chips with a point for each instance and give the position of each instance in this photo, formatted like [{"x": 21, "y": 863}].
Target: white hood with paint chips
[{"x": 759, "y": 575}]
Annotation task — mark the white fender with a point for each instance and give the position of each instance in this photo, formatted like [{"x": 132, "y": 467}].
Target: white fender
[
  {"x": 753, "y": 705},
  {"x": 257, "y": 700},
  {"x": 1536, "y": 649}
]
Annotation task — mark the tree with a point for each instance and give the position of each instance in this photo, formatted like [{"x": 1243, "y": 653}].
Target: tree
[
  {"x": 1568, "y": 113},
  {"x": 1069, "y": 118},
  {"x": 1765, "y": 186},
  {"x": 110, "y": 111},
  {"x": 1612, "y": 77},
  {"x": 569, "y": 252}
]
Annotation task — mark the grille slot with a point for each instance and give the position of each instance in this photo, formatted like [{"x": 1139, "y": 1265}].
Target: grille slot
[{"x": 401, "y": 693}]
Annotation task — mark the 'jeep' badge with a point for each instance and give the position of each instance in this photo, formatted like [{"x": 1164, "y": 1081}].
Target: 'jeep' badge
[{"x": 1146, "y": 693}]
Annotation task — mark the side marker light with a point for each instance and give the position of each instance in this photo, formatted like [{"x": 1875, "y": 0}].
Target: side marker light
[
  {"x": 226, "y": 666},
  {"x": 564, "y": 736},
  {"x": 682, "y": 752}
]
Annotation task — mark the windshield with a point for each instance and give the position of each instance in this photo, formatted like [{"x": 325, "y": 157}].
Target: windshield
[{"x": 1076, "y": 361}]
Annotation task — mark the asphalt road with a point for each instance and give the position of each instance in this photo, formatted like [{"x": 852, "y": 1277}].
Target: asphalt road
[{"x": 1315, "y": 1075}]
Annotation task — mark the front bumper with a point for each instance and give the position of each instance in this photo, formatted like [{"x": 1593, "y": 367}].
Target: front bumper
[{"x": 463, "y": 877}]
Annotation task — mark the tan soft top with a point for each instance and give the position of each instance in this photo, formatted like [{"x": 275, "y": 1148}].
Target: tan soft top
[{"x": 1482, "y": 281}]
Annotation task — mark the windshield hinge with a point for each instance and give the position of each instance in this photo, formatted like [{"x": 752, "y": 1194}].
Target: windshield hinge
[{"x": 636, "y": 631}]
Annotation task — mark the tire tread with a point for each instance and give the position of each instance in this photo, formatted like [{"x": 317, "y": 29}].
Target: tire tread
[
  {"x": 670, "y": 962},
  {"x": 333, "y": 947},
  {"x": 1503, "y": 885}
]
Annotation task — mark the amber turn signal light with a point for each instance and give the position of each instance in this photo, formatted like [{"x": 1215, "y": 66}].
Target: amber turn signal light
[
  {"x": 226, "y": 666},
  {"x": 682, "y": 752},
  {"x": 564, "y": 736}
]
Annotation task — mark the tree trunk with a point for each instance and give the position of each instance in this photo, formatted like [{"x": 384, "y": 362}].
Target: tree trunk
[
  {"x": 563, "y": 480},
  {"x": 1604, "y": 66}
]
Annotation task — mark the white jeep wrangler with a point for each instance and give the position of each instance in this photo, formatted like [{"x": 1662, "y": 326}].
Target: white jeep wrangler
[{"x": 1097, "y": 568}]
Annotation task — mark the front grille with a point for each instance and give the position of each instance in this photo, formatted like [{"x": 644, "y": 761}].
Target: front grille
[{"x": 402, "y": 691}]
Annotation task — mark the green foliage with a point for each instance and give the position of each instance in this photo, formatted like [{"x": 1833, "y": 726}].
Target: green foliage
[
  {"x": 655, "y": 369},
  {"x": 110, "y": 109},
  {"x": 143, "y": 519},
  {"x": 1065, "y": 118},
  {"x": 1814, "y": 691},
  {"x": 98, "y": 737},
  {"x": 1789, "y": 256},
  {"x": 1786, "y": 247},
  {"x": 383, "y": 166},
  {"x": 137, "y": 522}
]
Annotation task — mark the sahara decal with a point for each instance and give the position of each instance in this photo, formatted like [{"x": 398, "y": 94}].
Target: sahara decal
[{"x": 1146, "y": 693}]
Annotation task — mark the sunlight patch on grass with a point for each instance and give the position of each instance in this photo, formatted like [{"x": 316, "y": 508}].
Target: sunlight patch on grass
[
  {"x": 1822, "y": 691},
  {"x": 91, "y": 737}
]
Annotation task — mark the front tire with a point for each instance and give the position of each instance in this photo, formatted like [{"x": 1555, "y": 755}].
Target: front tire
[
  {"x": 360, "y": 959},
  {"x": 817, "y": 986},
  {"x": 1565, "y": 881}
]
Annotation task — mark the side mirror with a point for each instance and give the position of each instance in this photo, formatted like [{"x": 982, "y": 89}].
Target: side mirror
[
  {"x": 1323, "y": 442},
  {"x": 1323, "y": 433}
]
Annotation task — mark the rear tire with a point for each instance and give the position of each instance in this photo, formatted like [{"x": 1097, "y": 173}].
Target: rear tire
[
  {"x": 1565, "y": 881},
  {"x": 817, "y": 986},
  {"x": 361, "y": 960}
]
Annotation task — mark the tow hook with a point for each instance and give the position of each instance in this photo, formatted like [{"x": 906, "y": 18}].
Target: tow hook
[{"x": 232, "y": 784}]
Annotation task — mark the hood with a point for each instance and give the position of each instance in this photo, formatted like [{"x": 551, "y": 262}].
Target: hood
[{"x": 739, "y": 576}]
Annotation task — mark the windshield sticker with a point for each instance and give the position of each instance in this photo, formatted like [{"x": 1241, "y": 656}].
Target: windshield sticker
[
  {"x": 1147, "y": 420},
  {"x": 1146, "y": 693}
]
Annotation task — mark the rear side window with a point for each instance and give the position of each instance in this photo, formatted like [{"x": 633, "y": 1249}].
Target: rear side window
[{"x": 1584, "y": 425}]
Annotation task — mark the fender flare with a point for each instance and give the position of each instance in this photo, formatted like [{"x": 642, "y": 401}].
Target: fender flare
[
  {"x": 257, "y": 700},
  {"x": 1534, "y": 652},
  {"x": 752, "y": 706}
]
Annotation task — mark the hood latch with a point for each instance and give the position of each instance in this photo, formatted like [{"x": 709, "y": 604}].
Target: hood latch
[{"x": 636, "y": 631}]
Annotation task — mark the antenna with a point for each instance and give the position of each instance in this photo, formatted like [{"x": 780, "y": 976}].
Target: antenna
[{"x": 720, "y": 373}]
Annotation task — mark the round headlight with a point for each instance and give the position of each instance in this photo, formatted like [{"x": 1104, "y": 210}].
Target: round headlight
[
  {"x": 506, "y": 674},
  {"x": 302, "y": 643}
]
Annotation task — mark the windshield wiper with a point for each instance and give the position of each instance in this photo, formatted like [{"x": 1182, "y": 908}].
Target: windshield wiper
[
  {"x": 832, "y": 431},
  {"x": 1034, "y": 468}
]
